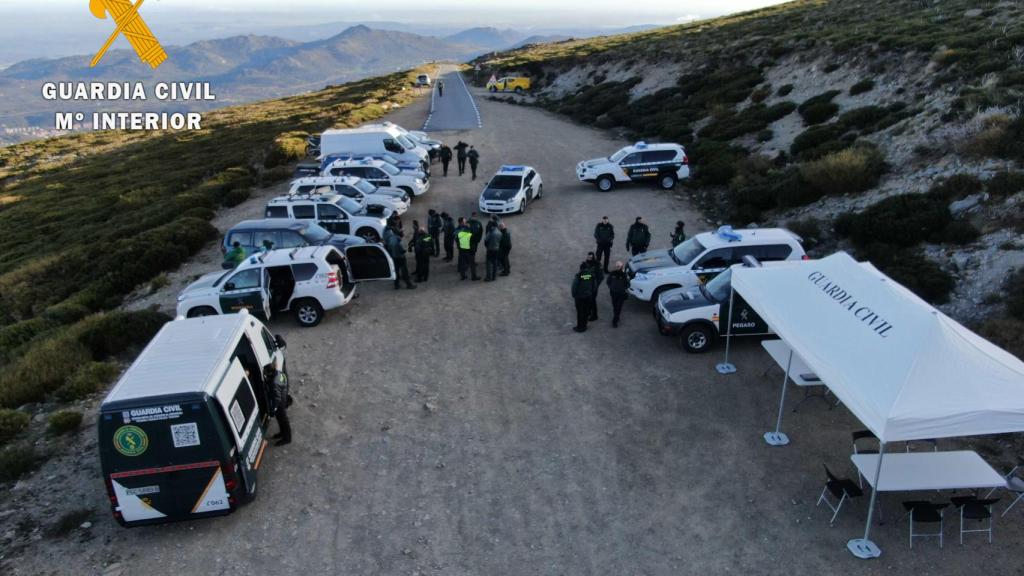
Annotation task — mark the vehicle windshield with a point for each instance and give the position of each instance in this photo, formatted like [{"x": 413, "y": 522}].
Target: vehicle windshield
[
  {"x": 365, "y": 187},
  {"x": 389, "y": 159},
  {"x": 719, "y": 286},
  {"x": 391, "y": 170},
  {"x": 505, "y": 182},
  {"x": 222, "y": 277},
  {"x": 314, "y": 234},
  {"x": 349, "y": 205},
  {"x": 618, "y": 155},
  {"x": 687, "y": 251},
  {"x": 405, "y": 142}
]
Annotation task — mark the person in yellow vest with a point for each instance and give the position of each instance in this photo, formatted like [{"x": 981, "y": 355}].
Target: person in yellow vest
[{"x": 467, "y": 258}]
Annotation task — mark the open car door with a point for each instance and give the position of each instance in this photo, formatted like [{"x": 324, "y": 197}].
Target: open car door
[{"x": 369, "y": 262}]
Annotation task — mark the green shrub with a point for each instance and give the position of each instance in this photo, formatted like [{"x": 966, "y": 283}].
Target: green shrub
[
  {"x": 822, "y": 98},
  {"x": 90, "y": 378},
  {"x": 12, "y": 422},
  {"x": 863, "y": 117},
  {"x": 761, "y": 94},
  {"x": 960, "y": 232},
  {"x": 819, "y": 112},
  {"x": 912, "y": 269},
  {"x": 765, "y": 135},
  {"x": 845, "y": 172},
  {"x": 1001, "y": 185},
  {"x": 286, "y": 148},
  {"x": 808, "y": 229},
  {"x": 817, "y": 141},
  {"x": 956, "y": 187},
  {"x": 785, "y": 89},
  {"x": 843, "y": 224},
  {"x": 831, "y": 67},
  {"x": 903, "y": 220},
  {"x": 1014, "y": 294},
  {"x": 64, "y": 422},
  {"x": 1007, "y": 333},
  {"x": 865, "y": 85},
  {"x": 16, "y": 461},
  {"x": 714, "y": 162},
  {"x": 113, "y": 333}
]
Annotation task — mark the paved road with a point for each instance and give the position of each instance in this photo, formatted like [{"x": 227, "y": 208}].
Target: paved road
[{"x": 456, "y": 109}]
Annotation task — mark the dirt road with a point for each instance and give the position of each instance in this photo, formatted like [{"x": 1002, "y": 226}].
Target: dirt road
[{"x": 464, "y": 429}]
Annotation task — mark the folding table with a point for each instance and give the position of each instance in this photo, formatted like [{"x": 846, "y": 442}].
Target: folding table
[
  {"x": 907, "y": 472},
  {"x": 796, "y": 370}
]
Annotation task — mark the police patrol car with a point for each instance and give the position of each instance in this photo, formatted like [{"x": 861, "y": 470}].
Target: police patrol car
[
  {"x": 702, "y": 257},
  {"x": 700, "y": 314},
  {"x": 664, "y": 164},
  {"x": 375, "y": 200},
  {"x": 410, "y": 168},
  {"x": 334, "y": 212},
  {"x": 379, "y": 173},
  {"x": 305, "y": 281},
  {"x": 511, "y": 190}
]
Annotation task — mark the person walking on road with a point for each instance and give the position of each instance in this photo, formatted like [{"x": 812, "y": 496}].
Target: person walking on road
[
  {"x": 448, "y": 225},
  {"x": 679, "y": 234},
  {"x": 639, "y": 237},
  {"x": 474, "y": 160},
  {"x": 505, "y": 249},
  {"x": 434, "y": 226},
  {"x": 492, "y": 243},
  {"x": 604, "y": 234},
  {"x": 279, "y": 408},
  {"x": 464, "y": 237},
  {"x": 446, "y": 157},
  {"x": 422, "y": 246},
  {"x": 460, "y": 155},
  {"x": 595, "y": 268},
  {"x": 393, "y": 244},
  {"x": 440, "y": 88},
  {"x": 583, "y": 290},
  {"x": 618, "y": 284}
]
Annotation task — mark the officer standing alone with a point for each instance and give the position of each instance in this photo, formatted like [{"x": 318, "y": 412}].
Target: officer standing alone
[
  {"x": 604, "y": 235},
  {"x": 679, "y": 234},
  {"x": 446, "y": 157},
  {"x": 639, "y": 237},
  {"x": 618, "y": 284},
  {"x": 474, "y": 160},
  {"x": 583, "y": 290},
  {"x": 279, "y": 408}
]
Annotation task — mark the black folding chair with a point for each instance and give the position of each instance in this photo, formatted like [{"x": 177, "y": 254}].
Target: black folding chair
[
  {"x": 863, "y": 435},
  {"x": 924, "y": 512},
  {"x": 972, "y": 508},
  {"x": 841, "y": 489}
]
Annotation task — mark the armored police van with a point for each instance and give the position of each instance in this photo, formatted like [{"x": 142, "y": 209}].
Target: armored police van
[{"x": 181, "y": 434}]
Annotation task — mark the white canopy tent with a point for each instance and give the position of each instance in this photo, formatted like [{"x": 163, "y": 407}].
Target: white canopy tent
[{"x": 906, "y": 370}]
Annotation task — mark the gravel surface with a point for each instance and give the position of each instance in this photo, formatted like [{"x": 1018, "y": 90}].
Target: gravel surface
[{"x": 464, "y": 429}]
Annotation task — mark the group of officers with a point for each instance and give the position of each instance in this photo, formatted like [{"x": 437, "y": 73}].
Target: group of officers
[{"x": 466, "y": 235}]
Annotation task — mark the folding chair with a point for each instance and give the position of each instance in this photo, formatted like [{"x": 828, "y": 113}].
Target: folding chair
[
  {"x": 1014, "y": 483},
  {"x": 934, "y": 443},
  {"x": 861, "y": 435},
  {"x": 924, "y": 512},
  {"x": 842, "y": 489},
  {"x": 972, "y": 508}
]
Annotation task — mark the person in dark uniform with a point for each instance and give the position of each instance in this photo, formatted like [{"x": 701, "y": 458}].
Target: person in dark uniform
[
  {"x": 395, "y": 221},
  {"x": 618, "y": 283},
  {"x": 434, "y": 226},
  {"x": 440, "y": 88},
  {"x": 477, "y": 229},
  {"x": 492, "y": 243},
  {"x": 583, "y": 290},
  {"x": 679, "y": 234},
  {"x": 492, "y": 223},
  {"x": 595, "y": 268},
  {"x": 422, "y": 246},
  {"x": 467, "y": 257},
  {"x": 449, "y": 236},
  {"x": 474, "y": 160},
  {"x": 393, "y": 244},
  {"x": 279, "y": 401},
  {"x": 604, "y": 235},
  {"x": 505, "y": 250},
  {"x": 639, "y": 237},
  {"x": 446, "y": 157},
  {"x": 460, "y": 155}
]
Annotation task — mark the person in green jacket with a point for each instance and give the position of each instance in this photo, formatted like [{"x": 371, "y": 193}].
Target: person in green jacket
[{"x": 235, "y": 256}]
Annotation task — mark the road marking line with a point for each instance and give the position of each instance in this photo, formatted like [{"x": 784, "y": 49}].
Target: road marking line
[{"x": 479, "y": 121}]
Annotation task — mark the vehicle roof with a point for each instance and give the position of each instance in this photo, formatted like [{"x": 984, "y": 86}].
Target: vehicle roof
[
  {"x": 513, "y": 169},
  {"x": 290, "y": 199},
  {"x": 654, "y": 146},
  {"x": 322, "y": 180},
  {"x": 182, "y": 358},
  {"x": 272, "y": 224},
  {"x": 719, "y": 238},
  {"x": 362, "y": 160},
  {"x": 372, "y": 129},
  {"x": 289, "y": 256}
]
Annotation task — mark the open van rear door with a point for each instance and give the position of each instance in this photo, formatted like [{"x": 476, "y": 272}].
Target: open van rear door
[
  {"x": 236, "y": 399},
  {"x": 369, "y": 262}
]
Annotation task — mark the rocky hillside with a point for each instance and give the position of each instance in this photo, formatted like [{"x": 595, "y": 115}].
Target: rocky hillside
[{"x": 891, "y": 129}]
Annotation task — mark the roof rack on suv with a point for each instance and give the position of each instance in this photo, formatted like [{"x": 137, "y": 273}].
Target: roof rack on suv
[{"x": 319, "y": 190}]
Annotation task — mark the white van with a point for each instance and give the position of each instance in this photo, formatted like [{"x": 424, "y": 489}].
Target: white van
[{"x": 373, "y": 140}]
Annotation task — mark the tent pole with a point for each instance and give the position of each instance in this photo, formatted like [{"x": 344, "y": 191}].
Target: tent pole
[
  {"x": 864, "y": 547},
  {"x": 727, "y": 367},
  {"x": 778, "y": 438}
]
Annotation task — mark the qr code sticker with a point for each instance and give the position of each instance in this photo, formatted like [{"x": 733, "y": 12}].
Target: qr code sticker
[{"x": 185, "y": 435}]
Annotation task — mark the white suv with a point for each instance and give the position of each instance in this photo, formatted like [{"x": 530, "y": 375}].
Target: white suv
[
  {"x": 705, "y": 255},
  {"x": 333, "y": 212},
  {"x": 510, "y": 190},
  {"x": 379, "y": 173},
  {"x": 305, "y": 281},
  {"x": 664, "y": 164},
  {"x": 372, "y": 198}
]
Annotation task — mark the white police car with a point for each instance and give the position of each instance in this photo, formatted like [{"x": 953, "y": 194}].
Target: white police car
[
  {"x": 702, "y": 257},
  {"x": 511, "y": 190},
  {"x": 379, "y": 173},
  {"x": 305, "y": 281},
  {"x": 334, "y": 212},
  {"x": 375, "y": 200},
  {"x": 414, "y": 169},
  {"x": 664, "y": 164}
]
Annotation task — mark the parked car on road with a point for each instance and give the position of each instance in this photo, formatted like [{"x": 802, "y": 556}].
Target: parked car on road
[
  {"x": 663, "y": 164},
  {"x": 334, "y": 212},
  {"x": 423, "y": 80},
  {"x": 508, "y": 84},
  {"x": 283, "y": 233},
  {"x": 512, "y": 189},
  {"x": 379, "y": 173},
  {"x": 375, "y": 200}
]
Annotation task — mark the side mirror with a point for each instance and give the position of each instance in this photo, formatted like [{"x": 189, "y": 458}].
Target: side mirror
[
  {"x": 229, "y": 286},
  {"x": 279, "y": 342}
]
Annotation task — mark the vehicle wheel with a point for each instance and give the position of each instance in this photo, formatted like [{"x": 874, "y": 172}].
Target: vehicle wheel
[
  {"x": 408, "y": 191},
  {"x": 308, "y": 312},
  {"x": 522, "y": 206},
  {"x": 696, "y": 339},
  {"x": 201, "y": 311},
  {"x": 519, "y": 90},
  {"x": 540, "y": 192},
  {"x": 605, "y": 183},
  {"x": 667, "y": 181},
  {"x": 369, "y": 234}
]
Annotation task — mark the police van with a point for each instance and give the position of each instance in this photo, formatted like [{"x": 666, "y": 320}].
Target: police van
[
  {"x": 664, "y": 164},
  {"x": 182, "y": 433},
  {"x": 699, "y": 315},
  {"x": 511, "y": 190},
  {"x": 702, "y": 257}
]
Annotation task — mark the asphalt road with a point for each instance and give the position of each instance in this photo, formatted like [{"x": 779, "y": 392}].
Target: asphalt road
[
  {"x": 454, "y": 107},
  {"x": 463, "y": 429}
]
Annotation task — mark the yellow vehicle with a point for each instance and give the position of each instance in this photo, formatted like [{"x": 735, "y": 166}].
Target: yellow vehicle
[{"x": 508, "y": 84}]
